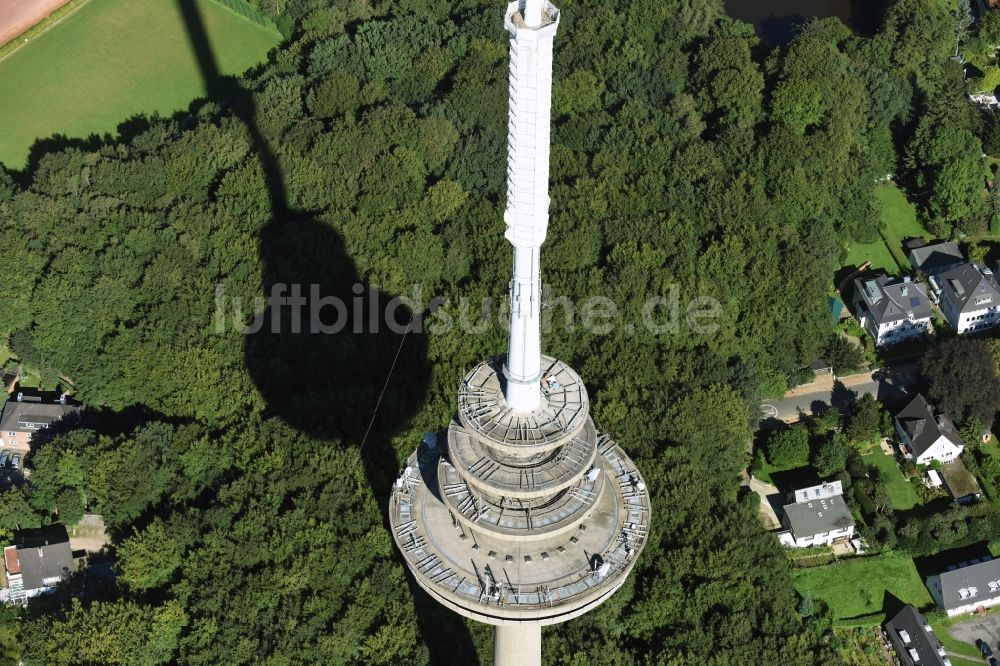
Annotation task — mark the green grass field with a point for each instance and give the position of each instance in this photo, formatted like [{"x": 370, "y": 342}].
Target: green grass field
[
  {"x": 877, "y": 253},
  {"x": 857, "y": 586},
  {"x": 765, "y": 473},
  {"x": 902, "y": 495},
  {"x": 111, "y": 60},
  {"x": 793, "y": 475},
  {"x": 900, "y": 221}
]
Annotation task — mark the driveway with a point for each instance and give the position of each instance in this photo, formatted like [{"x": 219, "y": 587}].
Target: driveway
[
  {"x": 986, "y": 628},
  {"x": 770, "y": 502},
  {"x": 894, "y": 388}
]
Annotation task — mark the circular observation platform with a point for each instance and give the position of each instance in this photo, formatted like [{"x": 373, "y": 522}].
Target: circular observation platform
[
  {"x": 515, "y": 519},
  {"x": 511, "y": 572},
  {"x": 522, "y": 478},
  {"x": 483, "y": 410}
]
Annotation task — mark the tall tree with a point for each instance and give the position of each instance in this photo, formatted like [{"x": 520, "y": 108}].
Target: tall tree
[
  {"x": 788, "y": 448},
  {"x": 962, "y": 379},
  {"x": 963, "y": 22}
]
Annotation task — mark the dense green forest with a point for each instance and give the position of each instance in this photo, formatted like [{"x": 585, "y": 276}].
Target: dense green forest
[{"x": 246, "y": 516}]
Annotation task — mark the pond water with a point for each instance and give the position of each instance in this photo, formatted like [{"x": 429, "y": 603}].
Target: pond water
[{"x": 776, "y": 20}]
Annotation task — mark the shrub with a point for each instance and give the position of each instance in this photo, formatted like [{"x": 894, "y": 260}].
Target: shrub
[{"x": 789, "y": 448}]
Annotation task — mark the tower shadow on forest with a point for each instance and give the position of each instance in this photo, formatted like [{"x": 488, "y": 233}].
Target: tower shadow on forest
[{"x": 333, "y": 385}]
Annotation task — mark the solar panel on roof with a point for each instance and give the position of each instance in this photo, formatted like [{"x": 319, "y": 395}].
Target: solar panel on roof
[{"x": 914, "y": 301}]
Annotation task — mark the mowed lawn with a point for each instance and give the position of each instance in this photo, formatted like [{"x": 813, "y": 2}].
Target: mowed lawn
[
  {"x": 902, "y": 494},
  {"x": 876, "y": 252},
  {"x": 857, "y": 586},
  {"x": 899, "y": 221},
  {"x": 111, "y": 60}
]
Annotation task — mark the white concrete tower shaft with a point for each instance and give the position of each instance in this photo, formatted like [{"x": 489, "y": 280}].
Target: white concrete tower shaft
[
  {"x": 532, "y": 25},
  {"x": 517, "y": 644}
]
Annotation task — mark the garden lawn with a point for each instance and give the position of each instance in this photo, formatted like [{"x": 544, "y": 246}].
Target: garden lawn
[
  {"x": 962, "y": 661},
  {"x": 899, "y": 221},
  {"x": 795, "y": 476},
  {"x": 111, "y": 60},
  {"x": 901, "y": 492},
  {"x": 855, "y": 587},
  {"x": 989, "y": 451},
  {"x": 765, "y": 473},
  {"x": 876, "y": 252}
]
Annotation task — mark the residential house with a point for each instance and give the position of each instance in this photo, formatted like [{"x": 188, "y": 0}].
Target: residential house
[
  {"x": 890, "y": 309},
  {"x": 37, "y": 561},
  {"x": 966, "y": 587},
  {"x": 926, "y": 437},
  {"x": 970, "y": 298},
  {"x": 913, "y": 639},
  {"x": 935, "y": 258},
  {"x": 27, "y": 418},
  {"x": 825, "y": 489},
  {"x": 816, "y": 522}
]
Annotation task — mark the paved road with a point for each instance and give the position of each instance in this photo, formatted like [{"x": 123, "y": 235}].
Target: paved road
[
  {"x": 986, "y": 628},
  {"x": 891, "y": 390}
]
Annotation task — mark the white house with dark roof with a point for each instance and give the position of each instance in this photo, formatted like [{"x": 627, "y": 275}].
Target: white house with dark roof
[
  {"x": 891, "y": 309},
  {"x": 37, "y": 562},
  {"x": 816, "y": 522},
  {"x": 970, "y": 298},
  {"x": 927, "y": 436},
  {"x": 913, "y": 639},
  {"x": 823, "y": 490},
  {"x": 934, "y": 258},
  {"x": 967, "y": 586}
]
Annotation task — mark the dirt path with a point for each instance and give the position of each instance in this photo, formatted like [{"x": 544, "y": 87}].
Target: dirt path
[
  {"x": 822, "y": 382},
  {"x": 89, "y": 534},
  {"x": 770, "y": 498},
  {"x": 16, "y": 16}
]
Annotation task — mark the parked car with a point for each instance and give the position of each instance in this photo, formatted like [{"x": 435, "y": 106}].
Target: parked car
[
  {"x": 15, "y": 462},
  {"x": 3, "y": 458},
  {"x": 984, "y": 648}
]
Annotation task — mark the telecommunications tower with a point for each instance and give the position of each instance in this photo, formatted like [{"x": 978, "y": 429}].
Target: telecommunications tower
[{"x": 528, "y": 515}]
